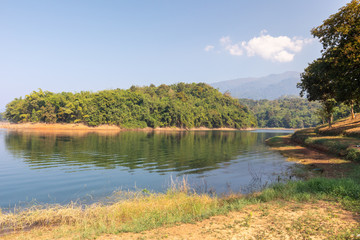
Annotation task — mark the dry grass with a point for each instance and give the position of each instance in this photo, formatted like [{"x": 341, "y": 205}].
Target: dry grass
[
  {"x": 273, "y": 220},
  {"x": 162, "y": 217},
  {"x": 347, "y": 127},
  {"x": 140, "y": 213}
]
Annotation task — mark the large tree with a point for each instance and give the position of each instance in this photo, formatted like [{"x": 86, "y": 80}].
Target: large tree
[
  {"x": 340, "y": 37},
  {"x": 317, "y": 84}
]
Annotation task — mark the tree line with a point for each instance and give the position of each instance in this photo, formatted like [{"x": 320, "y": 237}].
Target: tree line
[
  {"x": 178, "y": 105},
  {"x": 334, "y": 78},
  {"x": 284, "y": 112},
  {"x": 291, "y": 112}
]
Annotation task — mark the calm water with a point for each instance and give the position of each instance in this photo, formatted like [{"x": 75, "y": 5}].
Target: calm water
[{"x": 59, "y": 167}]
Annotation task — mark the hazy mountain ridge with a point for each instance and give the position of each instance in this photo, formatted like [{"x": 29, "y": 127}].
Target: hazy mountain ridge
[{"x": 269, "y": 87}]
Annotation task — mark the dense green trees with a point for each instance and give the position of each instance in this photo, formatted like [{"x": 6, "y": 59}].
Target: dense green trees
[
  {"x": 335, "y": 77},
  {"x": 179, "y": 105},
  {"x": 292, "y": 112},
  {"x": 284, "y": 112}
]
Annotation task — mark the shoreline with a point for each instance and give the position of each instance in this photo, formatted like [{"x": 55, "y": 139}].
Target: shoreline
[
  {"x": 113, "y": 128},
  {"x": 246, "y": 215},
  {"x": 310, "y": 162}
]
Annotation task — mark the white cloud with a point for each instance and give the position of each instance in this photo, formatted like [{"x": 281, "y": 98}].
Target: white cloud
[
  {"x": 209, "y": 48},
  {"x": 277, "y": 49},
  {"x": 233, "y": 49}
]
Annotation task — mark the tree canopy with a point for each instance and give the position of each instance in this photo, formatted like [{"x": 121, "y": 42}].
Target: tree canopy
[
  {"x": 340, "y": 37},
  {"x": 284, "y": 112},
  {"x": 335, "y": 77},
  {"x": 2, "y": 117},
  {"x": 178, "y": 105},
  {"x": 292, "y": 112}
]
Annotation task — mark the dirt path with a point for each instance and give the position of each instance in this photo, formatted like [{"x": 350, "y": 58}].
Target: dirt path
[{"x": 279, "y": 220}]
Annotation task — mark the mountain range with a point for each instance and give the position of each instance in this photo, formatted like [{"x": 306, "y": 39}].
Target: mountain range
[{"x": 269, "y": 87}]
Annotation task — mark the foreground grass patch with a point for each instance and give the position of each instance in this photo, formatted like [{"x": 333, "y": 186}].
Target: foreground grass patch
[
  {"x": 140, "y": 213},
  {"x": 149, "y": 211}
]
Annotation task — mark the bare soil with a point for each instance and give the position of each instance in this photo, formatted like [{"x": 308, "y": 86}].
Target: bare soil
[{"x": 280, "y": 220}]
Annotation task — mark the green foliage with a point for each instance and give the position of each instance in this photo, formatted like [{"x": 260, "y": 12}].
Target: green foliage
[
  {"x": 335, "y": 76},
  {"x": 2, "y": 117},
  {"x": 338, "y": 112},
  {"x": 339, "y": 35},
  {"x": 353, "y": 154},
  {"x": 179, "y": 105},
  {"x": 285, "y": 112},
  {"x": 316, "y": 81},
  {"x": 317, "y": 84}
]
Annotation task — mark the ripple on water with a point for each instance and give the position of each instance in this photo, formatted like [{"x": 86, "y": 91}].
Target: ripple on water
[{"x": 59, "y": 169}]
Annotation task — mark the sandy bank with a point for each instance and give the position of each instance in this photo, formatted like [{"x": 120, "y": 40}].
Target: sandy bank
[
  {"x": 110, "y": 128},
  {"x": 57, "y": 126}
]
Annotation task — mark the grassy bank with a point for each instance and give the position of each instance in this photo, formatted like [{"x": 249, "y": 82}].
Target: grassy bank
[
  {"x": 340, "y": 145},
  {"x": 146, "y": 211},
  {"x": 141, "y": 211}
]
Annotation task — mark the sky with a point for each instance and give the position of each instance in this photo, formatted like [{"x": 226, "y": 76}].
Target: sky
[{"x": 66, "y": 45}]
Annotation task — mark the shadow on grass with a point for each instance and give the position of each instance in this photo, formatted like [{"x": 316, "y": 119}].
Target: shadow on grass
[
  {"x": 343, "y": 127},
  {"x": 314, "y": 162}
]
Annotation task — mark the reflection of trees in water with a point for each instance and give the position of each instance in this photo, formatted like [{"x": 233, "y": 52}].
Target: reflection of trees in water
[{"x": 191, "y": 152}]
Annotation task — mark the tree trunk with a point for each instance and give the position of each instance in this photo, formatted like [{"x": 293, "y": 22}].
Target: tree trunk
[
  {"x": 352, "y": 111},
  {"x": 330, "y": 121}
]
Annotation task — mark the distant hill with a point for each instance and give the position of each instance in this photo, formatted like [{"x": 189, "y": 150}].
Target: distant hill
[{"x": 269, "y": 87}]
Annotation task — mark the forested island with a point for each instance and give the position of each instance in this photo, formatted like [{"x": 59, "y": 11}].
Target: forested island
[{"x": 179, "y": 105}]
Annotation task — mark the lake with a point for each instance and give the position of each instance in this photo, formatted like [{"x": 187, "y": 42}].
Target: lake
[{"x": 59, "y": 167}]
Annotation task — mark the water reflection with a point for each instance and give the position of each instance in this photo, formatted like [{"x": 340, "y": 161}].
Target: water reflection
[
  {"x": 187, "y": 152},
  {"x": 56, "y": 167}
]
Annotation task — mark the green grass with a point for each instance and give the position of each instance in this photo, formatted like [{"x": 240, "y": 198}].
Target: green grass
[{"x": 339, "y": 145}]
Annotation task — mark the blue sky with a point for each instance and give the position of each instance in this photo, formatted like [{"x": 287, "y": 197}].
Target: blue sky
[{"x": 95, "y": 45}]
